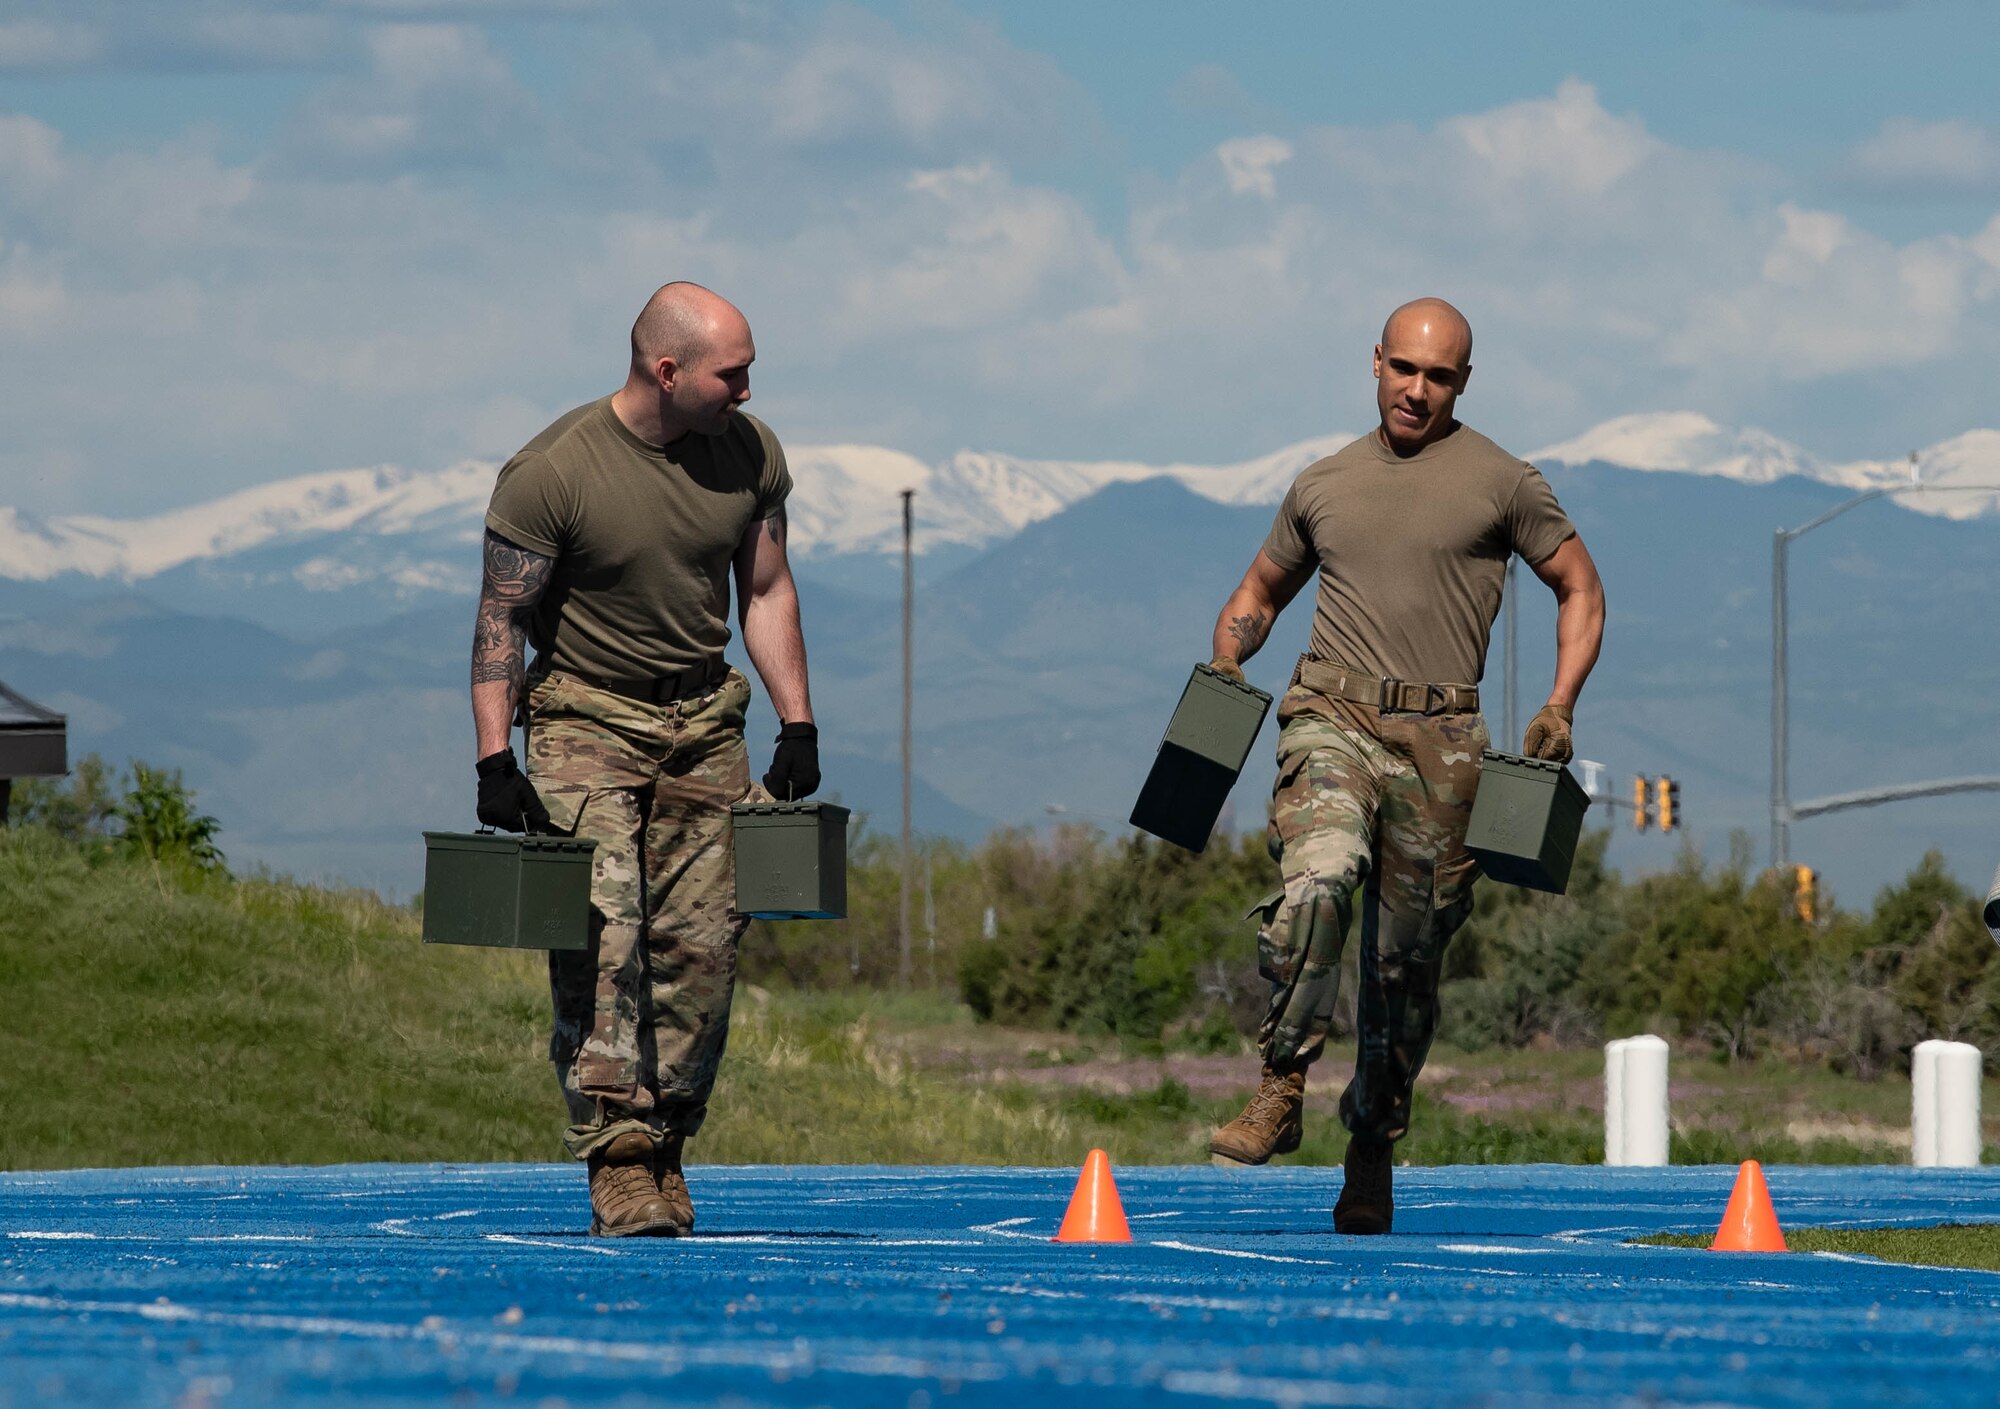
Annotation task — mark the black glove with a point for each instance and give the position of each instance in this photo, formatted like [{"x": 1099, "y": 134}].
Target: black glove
[
  {"x": 506, "y": 798},
  {"x": 795, "y": 764}
]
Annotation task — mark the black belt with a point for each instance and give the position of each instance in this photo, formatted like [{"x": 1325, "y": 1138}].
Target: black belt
[
  {"x": 1385, "y": 692},
  {"x": 660, "y": 689}
]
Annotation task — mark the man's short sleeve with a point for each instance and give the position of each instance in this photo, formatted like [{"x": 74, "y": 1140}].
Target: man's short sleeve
[
  {"x": 530, "y": 506},
  {"x": 774, "y": 481},
  {"x": 1289, "y": 543},
  {"x": 1536, "y": 523}
]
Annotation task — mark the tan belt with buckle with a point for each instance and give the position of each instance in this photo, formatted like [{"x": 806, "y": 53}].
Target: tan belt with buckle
[{"x": 1385, "y": 693}]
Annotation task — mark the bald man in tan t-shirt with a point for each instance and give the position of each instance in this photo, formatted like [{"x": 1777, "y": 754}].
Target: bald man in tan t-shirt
[
  {"x": 611, "y": 544},
  {"x": 1409, "y": 531}
]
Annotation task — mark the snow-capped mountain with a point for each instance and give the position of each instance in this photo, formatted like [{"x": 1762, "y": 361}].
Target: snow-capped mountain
[
  {"x": 1685, "y": 442},
  {"x": 408, "y": 530}
]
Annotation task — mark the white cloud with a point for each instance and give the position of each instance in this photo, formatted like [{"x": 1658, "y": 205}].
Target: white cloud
[
  {"x": 437, "y": 253},
  {"x": 1248, "y": 163},
  {"x": 1949, "y": 158}
]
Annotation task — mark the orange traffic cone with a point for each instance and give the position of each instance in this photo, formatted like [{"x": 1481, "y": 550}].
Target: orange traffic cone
[
  {"x": 1749, "y": 1224},
  {"x": 1095, "y": 1214}
]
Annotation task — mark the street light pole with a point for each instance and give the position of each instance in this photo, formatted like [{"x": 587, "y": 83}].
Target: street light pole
[
  {"x": 909, "y": 691},
  {"x": 1783, "y": 813}
]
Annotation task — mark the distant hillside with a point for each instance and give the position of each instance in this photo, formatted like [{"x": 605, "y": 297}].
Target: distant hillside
[{"x": 1048, "y": 663}]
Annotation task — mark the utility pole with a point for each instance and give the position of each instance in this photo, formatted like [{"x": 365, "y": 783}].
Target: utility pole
[
  {"x": 1511, "y": 595},
  {"x": 909, "y": 693},
  {"x": 1783, "y": 810}
]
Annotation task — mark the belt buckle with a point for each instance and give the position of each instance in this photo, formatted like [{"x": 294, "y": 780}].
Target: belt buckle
[
  {"x": 1389, "y": 695},
  {"x": 1434, "y": 692}
]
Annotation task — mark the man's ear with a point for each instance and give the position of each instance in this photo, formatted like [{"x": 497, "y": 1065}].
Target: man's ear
[
  {"x": 1464, "y": 376},
  {"x": 1378, "y": 361},
  {"x": 666, "y": 372}
]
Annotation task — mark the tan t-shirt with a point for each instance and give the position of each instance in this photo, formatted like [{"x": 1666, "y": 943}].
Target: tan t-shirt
[
  {"x": 1412, "y": 553},
  {"x": 642, "y": 535}
]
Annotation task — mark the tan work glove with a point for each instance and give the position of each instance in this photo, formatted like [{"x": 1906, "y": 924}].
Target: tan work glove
[
  {"x": 1223, "y": 665},
  {"x": 1548, "y": 734}
]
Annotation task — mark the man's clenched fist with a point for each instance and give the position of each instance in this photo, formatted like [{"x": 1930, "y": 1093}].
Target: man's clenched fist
[
  {"x": 1223, "y": 665},
  {"x": 795, "y": 764},
  {"x": 507, "y": 799},
  {"x": 1548, "y": 734}
]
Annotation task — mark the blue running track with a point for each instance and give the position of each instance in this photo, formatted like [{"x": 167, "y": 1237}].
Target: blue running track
[{"x": 922, "y": 1288}]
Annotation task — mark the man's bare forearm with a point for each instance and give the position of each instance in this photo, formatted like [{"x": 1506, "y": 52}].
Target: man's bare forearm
[
  {"x": 1579, "y": 637},
  {"x": 513, "y": 581},
  {"x": 1242, "y": 627},
  {"x": 776, "y": 644}
]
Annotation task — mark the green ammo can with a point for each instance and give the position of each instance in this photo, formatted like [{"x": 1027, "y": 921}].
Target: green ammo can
[
  {"x": 505, "y": 891},
  {"x": 1206, "y": 742},
  {"x": 1526, "y": 820},
  {"x": 791, "y": 860}
]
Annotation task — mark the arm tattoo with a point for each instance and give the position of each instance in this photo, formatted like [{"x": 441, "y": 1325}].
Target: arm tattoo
[
  {"x": 514, "y": 581},
  {"x": 1249, "y": 630},
  {"x": 775, "y": 525}
]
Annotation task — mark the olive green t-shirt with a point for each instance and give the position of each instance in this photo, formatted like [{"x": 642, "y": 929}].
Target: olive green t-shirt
[
  {"x": 1412, "y": 552},
  {"x": 643, "y": 536}
]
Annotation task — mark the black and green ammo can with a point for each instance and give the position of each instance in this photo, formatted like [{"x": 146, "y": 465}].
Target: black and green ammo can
[
  {"x": 1526, "y": 820},
  {"x": 791, "y": 860},
  {"x": 1206, "y": 742},
  {"x": 505, "y": 891}
]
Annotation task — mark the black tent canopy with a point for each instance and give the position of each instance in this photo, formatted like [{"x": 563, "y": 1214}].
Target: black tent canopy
[{"x": 34, "y": 742}]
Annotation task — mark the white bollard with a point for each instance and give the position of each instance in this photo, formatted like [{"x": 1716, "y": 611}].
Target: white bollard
[
  {"x": 1635, "y": 1101},
  {"x": 1923, "y": 1104},
  {"x": 1945, "y": 1127}
]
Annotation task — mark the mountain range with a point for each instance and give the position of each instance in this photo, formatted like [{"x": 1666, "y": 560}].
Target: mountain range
[{"x": 298, "y": 649}]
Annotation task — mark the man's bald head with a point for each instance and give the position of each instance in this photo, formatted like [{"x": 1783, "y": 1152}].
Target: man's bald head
[
  {"x": 682, "y": 321},
  {"x": 691, "y": 356},
  {"x": 1431, "y": 319},
  {"x": 1421, "y": 366}
]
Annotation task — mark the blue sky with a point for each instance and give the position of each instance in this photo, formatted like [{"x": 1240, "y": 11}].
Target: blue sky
[{"x": 240, "y": 241}]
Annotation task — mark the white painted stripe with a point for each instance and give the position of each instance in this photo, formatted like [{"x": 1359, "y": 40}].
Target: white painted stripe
[{"x": 1237, "y": 1252}]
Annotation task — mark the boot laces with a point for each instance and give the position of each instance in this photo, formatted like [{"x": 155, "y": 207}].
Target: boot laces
[
  {"x": 626, "y": 1181},
  {"x": 1272, "y": 1104}
]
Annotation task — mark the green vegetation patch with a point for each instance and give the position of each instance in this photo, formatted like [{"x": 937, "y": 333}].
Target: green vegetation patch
[{"x": 1975, "y": 1245}]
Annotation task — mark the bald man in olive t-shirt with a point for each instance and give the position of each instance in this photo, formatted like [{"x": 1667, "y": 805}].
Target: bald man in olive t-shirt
[
  {"x": 1408, "y": 531},
  {"x": 611, "y": 544}
]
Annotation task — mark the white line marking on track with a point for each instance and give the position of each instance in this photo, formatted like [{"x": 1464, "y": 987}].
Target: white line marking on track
[
  {"x": 1212, "y": 1384},
  {"x": 562, "y": 1247},
  {"x": 1463, "y": 1271},
  {"x": 1237, "y": 1252},
  {"x": 54, "y": 1237},
  {"x": 1005, "y": 1229},
  {"x": 1135, "y": 1217},
  {"x": 672, "y": 1359},
  {"x": 1493, "y": 1247}
]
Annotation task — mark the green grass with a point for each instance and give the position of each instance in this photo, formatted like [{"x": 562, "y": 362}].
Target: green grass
[
  {"x": 157, "y": 1017},
  {"x": 1974, "y": 1245}
]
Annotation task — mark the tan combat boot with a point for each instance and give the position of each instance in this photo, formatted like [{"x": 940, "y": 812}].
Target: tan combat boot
[
  {"x": 624, "y": 1201},
  {"x": 1367, "y": 1202},
  {"x": 1271, "y": 1124},
  {"x": 673, "y": 1188}
]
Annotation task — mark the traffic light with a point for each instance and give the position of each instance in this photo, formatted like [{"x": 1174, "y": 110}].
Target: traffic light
[
  {"x": 1669, "y": 809},
  {"x": 1805, "y": 890},
  {"x": 1639, "y": 791}
]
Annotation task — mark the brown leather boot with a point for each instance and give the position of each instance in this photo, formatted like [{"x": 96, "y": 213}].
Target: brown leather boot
[
  {"x": 1367, "y": 1203},
  {"x": 1271, "y": 1124},
  {"x": 667, "y": 1178},
  {"x": 624, "y": 1200}
]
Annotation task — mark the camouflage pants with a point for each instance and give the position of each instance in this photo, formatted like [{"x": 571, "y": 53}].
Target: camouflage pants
[
  {"x": 1379, "y": 801},
  {"x": 641, "y": 1016}
]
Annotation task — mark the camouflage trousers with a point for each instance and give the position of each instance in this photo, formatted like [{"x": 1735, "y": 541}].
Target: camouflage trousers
[
  {"x": 642, "y": 1014},
  {"x": 1380, "y": 802}
]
